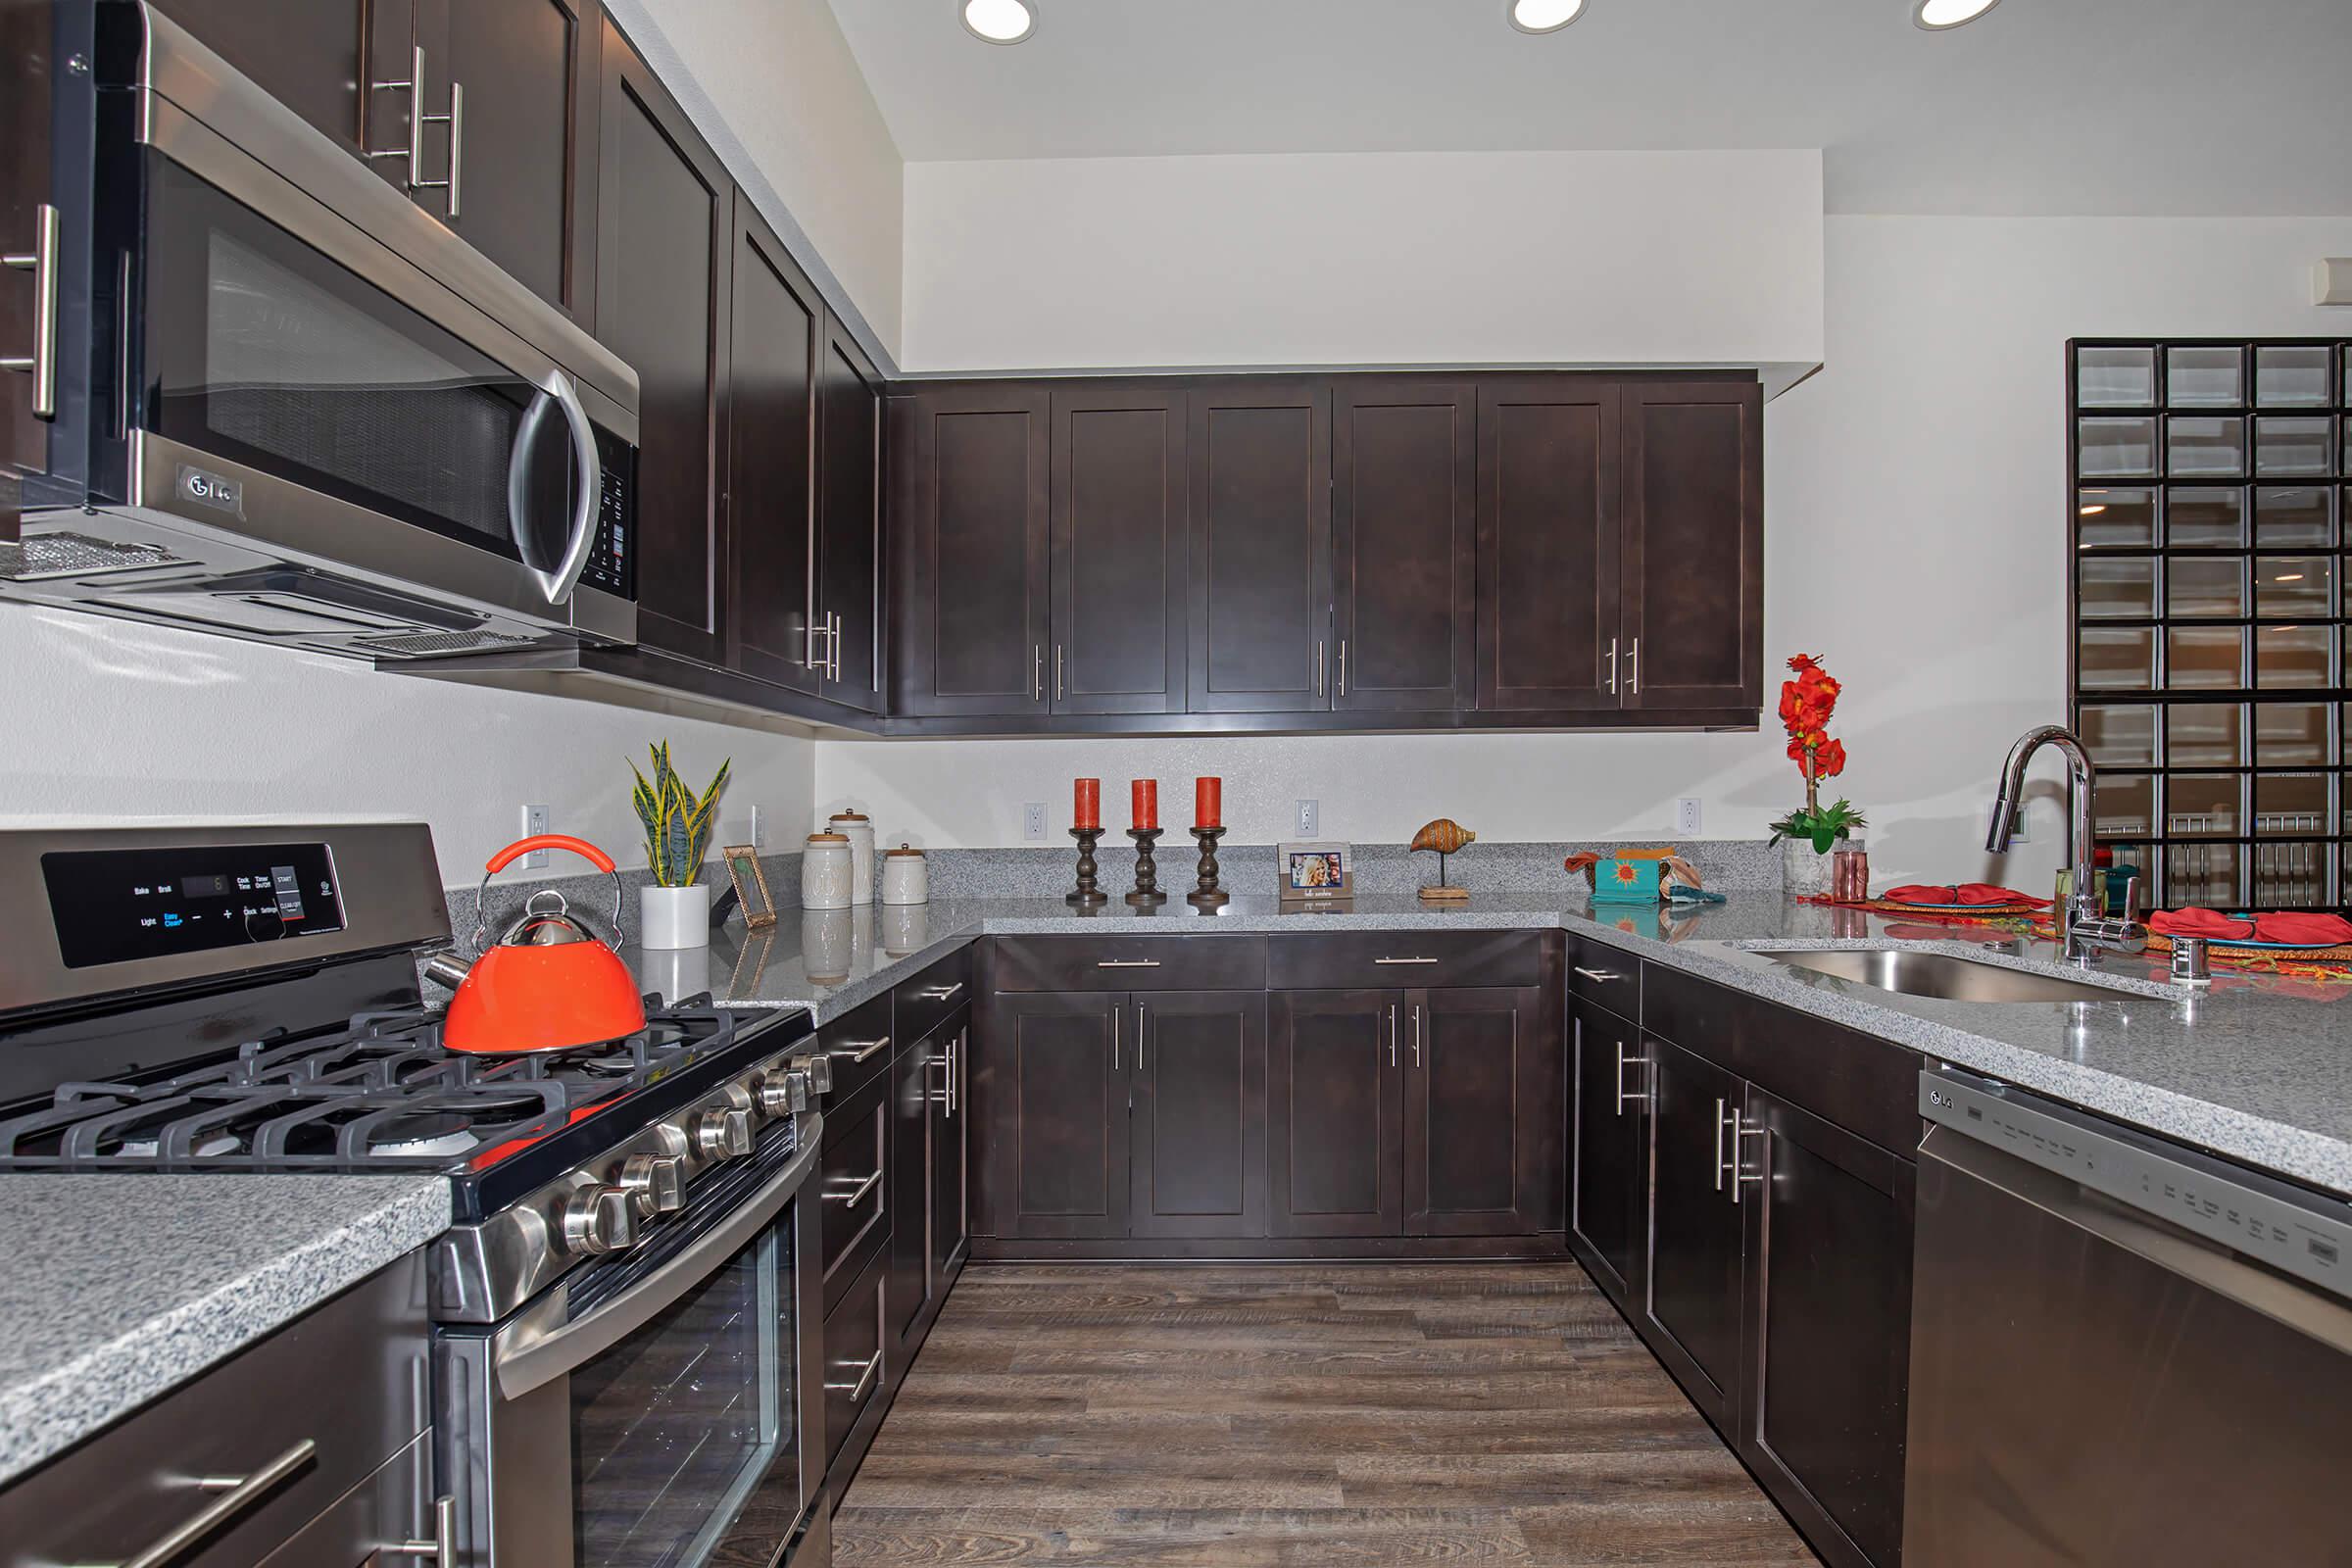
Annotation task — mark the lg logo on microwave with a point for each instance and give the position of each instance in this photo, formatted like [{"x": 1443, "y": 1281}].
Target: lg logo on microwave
[{"x": 211, "y": 490}]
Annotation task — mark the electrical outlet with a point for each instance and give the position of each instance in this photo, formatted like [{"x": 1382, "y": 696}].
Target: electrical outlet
[
  {"x": 1033, "y": 822},
  {"x": 758, "y": 838},
  {"x": 1310, "y": 819},
  {"x": 1686, "y": 814},
  {"x": 534, "y": 824}
]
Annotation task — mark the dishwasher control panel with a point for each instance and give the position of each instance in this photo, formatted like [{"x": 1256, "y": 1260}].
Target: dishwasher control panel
[{"x": 2295, "y": 1232}]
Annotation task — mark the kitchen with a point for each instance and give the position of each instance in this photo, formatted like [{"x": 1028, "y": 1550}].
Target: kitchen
[{"x": 918, "y": 413}]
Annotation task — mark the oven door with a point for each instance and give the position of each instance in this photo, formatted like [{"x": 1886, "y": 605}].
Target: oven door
[{"x": 662, "y": 1409}]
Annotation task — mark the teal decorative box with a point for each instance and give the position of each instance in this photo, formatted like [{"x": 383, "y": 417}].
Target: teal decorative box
[{"x": 1627, "y": 880}]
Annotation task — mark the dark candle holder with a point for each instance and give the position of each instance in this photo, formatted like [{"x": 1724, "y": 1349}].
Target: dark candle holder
[
  {"x": 1086, "y": 895},
  {"x": 1147, "y": 892},
  {"x": 1208, "y": 895}
]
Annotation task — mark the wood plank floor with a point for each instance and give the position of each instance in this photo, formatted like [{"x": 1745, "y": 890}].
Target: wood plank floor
[{"x": 1270, "y": 1416}]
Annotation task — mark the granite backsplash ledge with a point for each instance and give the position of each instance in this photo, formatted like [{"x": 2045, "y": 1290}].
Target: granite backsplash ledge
[{"x": 592, "y": 893}]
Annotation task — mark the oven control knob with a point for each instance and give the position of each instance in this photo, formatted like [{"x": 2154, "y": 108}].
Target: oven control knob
[
  {"x": 724, "y": 1134},
  {"x": 658, "y": 1182},
  {"x": 600, "y": 1219},
  {"x": 781, "y": 1093}
]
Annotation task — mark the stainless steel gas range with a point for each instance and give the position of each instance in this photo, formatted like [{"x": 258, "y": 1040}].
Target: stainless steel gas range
[{"x": 627, "y": 1366}]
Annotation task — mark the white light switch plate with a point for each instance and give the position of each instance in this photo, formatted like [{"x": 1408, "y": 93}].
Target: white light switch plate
[
  {"x": 1686, "y": 814},
  {"x": 1033, "y": 822},
  {"x": 1309, "y": 822},
  {"x": 534, "y": 824}
]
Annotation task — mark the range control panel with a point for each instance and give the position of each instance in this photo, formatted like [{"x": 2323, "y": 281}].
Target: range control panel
[{"x": 115, "y": 906}]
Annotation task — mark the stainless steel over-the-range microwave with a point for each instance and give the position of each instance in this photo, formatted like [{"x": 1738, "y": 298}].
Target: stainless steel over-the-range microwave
[{"x": 288, "y": 404}]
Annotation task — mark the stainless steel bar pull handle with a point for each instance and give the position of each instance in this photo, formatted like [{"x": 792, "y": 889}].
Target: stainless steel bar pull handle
[
  {"x": 1392, "y": 1035},
  {"x": 1318, "y": 666},
  {"x": 1342, "y": 667},
  {"x": 455, "y": 120},
  {"x": 1624, "y": 1097},
  {"x": 1037, "y": 673},
  {"x": 1719, "y": 1163},
  {"x": 1633, "y": 667},
  {"x": 1115, "y": 1037},
  {"x": 1729, "y": 1171},
  {"x": 834, "y": 620},
  {"x": 238, "y": 1495},
  {"x": 1139, "y": 1037},
  {"x": 1126, "y": 964},
  {"x": 858, "y": 1049},
  {"x": 414, "y": 153},
  {"x": 866, "y": 1376},
  {"x": 1057, "y": 672},
  {"x": 942, "y": 992},
  {"x": 1404, "y": 961},
  {"x": 1599, "y": 975},
  {"x": 442, "y": 1550},
  {"x": 1416, "y": 1034},
  {"x": 1612, "y": 666},
  {"x": 856, "y": 1193},
  {"x": 42, "y": 262}
]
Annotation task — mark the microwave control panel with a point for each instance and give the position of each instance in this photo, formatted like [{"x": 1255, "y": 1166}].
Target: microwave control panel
[
  {"x": 115, "y": 906},
  {"x": 612, "y": 561}
]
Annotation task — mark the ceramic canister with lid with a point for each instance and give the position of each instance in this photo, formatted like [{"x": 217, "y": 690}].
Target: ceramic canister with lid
[
  {"x": 825, "y": 872},
  {"x": 859, "y": 831},
  {"x": 906, "y": 877}
]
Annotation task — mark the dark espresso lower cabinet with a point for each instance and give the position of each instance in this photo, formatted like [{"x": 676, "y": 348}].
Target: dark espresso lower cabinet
[
  {"x": 1335, "y": 1114},
  {"x": 1199, "y": 1116},
  {"x": 1483, "y": 1129},
  {"x": 1058, "y": 1155},
  {"x": 1611, "y": 1138},
  {"x": 1691, "y": 1295}
]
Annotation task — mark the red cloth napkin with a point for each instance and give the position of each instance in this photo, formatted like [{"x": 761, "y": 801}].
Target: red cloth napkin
[
  {"x": 1987, "y": 893},
  {"x": 1975, "y": 895},
  {"x": 2211, "y": 924},
  {"x": 1921, "y": 893},
  {"x": 2303, "y": 930}
]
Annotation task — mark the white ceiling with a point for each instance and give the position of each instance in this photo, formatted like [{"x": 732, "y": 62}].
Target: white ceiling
[{"x": 2163, "y": 107}]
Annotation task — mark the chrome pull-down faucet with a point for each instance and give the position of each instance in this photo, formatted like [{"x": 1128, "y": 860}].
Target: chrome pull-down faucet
[{"x": 2084, "y": 928}]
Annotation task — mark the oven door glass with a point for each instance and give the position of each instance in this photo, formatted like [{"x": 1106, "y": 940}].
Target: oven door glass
[
  {"x": 260, "y": 349},
  {"x": 684, "y": 1435}
]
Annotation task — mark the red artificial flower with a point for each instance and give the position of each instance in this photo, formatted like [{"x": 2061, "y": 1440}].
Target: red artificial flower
[
  {"x": 1828, "y": 760},
  {"x": 1805, "y": 661}
]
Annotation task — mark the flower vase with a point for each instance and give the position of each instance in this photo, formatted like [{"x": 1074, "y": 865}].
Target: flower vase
[{"x": 1804, "y": 870}]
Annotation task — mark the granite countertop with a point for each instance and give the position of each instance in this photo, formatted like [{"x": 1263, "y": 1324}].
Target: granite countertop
[
  {"x": 2258, "y": 1068},
  {"x": 122, "y": 1288}
]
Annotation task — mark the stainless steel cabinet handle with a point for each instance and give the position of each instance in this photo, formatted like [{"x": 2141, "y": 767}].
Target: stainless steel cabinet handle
[
  {"x": 1404, "y": 961},
  {"x": 1599, "y": 975},
  {"x": 1139, "y": 1037},
  {"x": 866, "y": 1376},
  {"x": 41, "y": 362},
  {"x": 1115, "y": 1037},
  {"x": 1729, "y": 1171},
  {"x": 942, "y": 992},
  {"x": 1719, "y": 1142},
  {"x": 1416, "y": 1034},
  {"x": 945, "y": 1062},
  {"x": 858, "y": 1050},
  {"x": 1318, "y": 666},
  {"x": 1637, "y": 1097},
  {"x": 1633, "y": 668},
  {"x": 857, "y": 1194},
  {"x": 1037, "y": 673},
  {"x": 834, "y": 643},
  {"x": 238, "y": 1495},
  {"x": 954, "y": 1073},
  {"x": 1392, "y": 1035},
  {"x": 442, "y": 1550},
  {"x": 1741, "y": 1176},
  {"x": 1126, "y": 964},
  {"x": 1612, "y": 666},
  {"x": 1342, "y": 667},
  {"x": 455, "y": 120},
  {"x": 1057, "y": 672},
  {"x": 414, "y": 153}
]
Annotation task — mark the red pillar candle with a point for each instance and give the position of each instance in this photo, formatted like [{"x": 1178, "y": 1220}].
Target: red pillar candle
[
  {"x": 1087, "y": 811},
  {"x": 1146, "y": 802},
  {"x": 1208, "y": 802}
]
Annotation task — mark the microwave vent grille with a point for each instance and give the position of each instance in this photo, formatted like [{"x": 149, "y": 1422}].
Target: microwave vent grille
[
  {"x": 78, "y": 554},
  {"x": 425, "y": 644}
]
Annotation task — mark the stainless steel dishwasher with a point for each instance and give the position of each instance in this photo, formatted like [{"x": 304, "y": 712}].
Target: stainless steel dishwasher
[{"x": 2123, "y": 1351}]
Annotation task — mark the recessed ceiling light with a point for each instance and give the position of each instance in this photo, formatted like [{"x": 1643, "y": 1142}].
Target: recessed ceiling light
[
  {"x": 1000, "y": 21},
  {"x": 1937, "y": 15},
  {"x": 1542, "y": 15}
]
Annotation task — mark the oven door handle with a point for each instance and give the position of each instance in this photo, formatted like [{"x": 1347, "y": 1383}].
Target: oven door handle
[
  {"x": 588, "y": 474},
  {"x": 542, "y": 1346}
]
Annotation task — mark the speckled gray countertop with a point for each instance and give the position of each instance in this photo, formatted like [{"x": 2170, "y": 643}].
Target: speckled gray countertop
[
  {"x": 120, "y": 1288},
  {"x": 2259, "y": 1068}
]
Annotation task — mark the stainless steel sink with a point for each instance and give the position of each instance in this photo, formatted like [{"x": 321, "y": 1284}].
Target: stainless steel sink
[{"x": 1940, "y": 974}]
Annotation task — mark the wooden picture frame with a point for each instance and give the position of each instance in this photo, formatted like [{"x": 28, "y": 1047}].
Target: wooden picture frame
[
  {"x": 1314, "y": 871},
  {"x": 750, "y": 885}
]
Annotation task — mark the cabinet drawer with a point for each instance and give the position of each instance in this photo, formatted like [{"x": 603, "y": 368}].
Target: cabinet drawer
[
  {"x": 918, "y": 1006},
  {"x": 347, "y": 1377},
  {"x": 1603, "y": 974},
  {"x": 854, "y": 1339},
  {"x": 1131, "y": 964},
  {"x": 1355, "y": 960},
  {"x": 858, "y": 1045},
  {"x": 853, "y": 1185},
  {"x": 394, "y": 1505}
]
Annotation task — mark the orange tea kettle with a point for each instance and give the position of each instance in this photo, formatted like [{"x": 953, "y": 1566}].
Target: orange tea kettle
[{"x": 551, "y": 981}]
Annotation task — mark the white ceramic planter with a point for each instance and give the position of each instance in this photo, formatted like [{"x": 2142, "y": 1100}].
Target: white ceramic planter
[
  {"x": 675, "y": 918},
  {"x": 1804, "y": 870}
]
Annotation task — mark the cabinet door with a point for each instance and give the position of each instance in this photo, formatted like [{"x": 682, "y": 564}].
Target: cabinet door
[
  {"x": 968, "y": 537},
  {"x": 950, "y": 1152},
  {"x": 27, "y": 56},
  {"x": 1609, "y": 1148},
  {"x": 1200, "y": 1113},
  {"x": 1549, "y": 545},
  {"x": 1059, "y": 1149},
  {"x": 911, "y": 1153},
  {"x": 525, "y": 77},
  {"x": 849, "y": 522},
  {"x": 1335, "y": 1114},
  {"x": 312, "y": 58},
  {"x": 1402, "y": 554},
  {"x": 1826, "y": 1329},
  {"x": 771, "y": 456},
  {"x": 1120, "y": 544},
  {"x": 1694, "y": 543},
  {"x": 666, "y": 221},
  {"x": 1690, "y": 1308},
  {"x": 1260, "y": 584},
  {"x": 1483, "y": 1117}
]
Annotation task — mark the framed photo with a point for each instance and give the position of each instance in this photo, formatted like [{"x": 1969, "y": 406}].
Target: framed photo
[
  {"x": 1317, "y": 871},
  {"x": 750, "y": 885}
]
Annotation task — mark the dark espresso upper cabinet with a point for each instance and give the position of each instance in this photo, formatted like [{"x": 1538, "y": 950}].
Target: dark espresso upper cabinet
[
  {"x": 771, "y": 447},
  {"x": 316, "y": 58},
  {"x": 970, "y": 478},
  {"x": 1261, "y": 583},
  {"x": 1694, "y": 543},
  {"x": 666, "y": 228},
  {"x": 1118, "y": 561},
  {"x": 526, "y": 86},
  {"x": 28, "y": 54},
  {"x": 1549, "y": 545},
  {"x": 849, "y": 522},
  {"x": 1401, "y": 546}
]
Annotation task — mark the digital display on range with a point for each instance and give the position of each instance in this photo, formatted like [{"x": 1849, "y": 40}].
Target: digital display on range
[{"x": 115, "y": 906}]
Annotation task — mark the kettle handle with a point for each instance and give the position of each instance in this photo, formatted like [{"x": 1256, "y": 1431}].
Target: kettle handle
[{"x": 548, "y": 841}]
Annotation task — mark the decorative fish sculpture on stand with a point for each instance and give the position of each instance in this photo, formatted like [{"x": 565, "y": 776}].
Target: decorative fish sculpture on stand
[{"x": 1446, "y": 836}]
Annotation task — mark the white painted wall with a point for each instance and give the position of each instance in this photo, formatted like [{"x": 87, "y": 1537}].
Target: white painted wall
[
  {"x": 1915, "y": 535},
  {"x": 772, "y": 86},
  {"x": 1364, "y": 259},
  {"x": 111, "y": 723}
]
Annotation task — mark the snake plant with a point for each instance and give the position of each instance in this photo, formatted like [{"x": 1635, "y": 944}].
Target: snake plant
[{"x": 678, "y": 825}]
